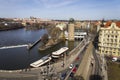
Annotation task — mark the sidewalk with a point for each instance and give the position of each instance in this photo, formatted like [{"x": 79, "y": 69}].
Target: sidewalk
[{"x": 103, "y": 66}]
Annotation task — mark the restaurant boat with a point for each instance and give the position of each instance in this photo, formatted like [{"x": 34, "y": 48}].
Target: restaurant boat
[{"x": 40, "y": 62}]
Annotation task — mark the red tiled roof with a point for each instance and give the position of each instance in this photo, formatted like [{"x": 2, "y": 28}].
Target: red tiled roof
[
  {"x": 118, "y": 23},
  {"x": 108, "y": 23}
]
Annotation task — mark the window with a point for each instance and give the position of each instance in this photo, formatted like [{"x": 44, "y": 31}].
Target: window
[
  {"x": 111, "y": 40},
  {"x": 106, "y": 51},
  {"x": 112, "y": 36}
]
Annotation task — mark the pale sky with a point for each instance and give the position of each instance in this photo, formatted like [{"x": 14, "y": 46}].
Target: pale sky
[{"x": 61, "y": 9}]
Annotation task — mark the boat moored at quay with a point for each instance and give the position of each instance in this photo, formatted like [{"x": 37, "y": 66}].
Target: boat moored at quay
[
  {"x": 48, "y": 58},
  {"x": 40, "y": 62},
  {"x": 59, "y": 52}
]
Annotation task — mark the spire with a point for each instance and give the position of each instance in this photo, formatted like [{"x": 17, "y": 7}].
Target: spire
[{"x": 102, "y": 22}]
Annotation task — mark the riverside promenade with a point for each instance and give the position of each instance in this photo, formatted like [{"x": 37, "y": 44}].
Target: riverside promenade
[{"x": 37, "y": 73}]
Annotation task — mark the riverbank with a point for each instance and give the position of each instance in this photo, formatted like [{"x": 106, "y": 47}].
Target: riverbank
[
  {"x": 10, "y": 26},
  {"x": 49, "y": 45},
  {"x": 37, "y": 26}
]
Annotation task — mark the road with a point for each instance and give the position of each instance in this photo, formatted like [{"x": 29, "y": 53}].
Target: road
[
  {"x": 76, "y": 64},
  {"x": 70, "y": 73},
  {"x": 97, "y": 71}
]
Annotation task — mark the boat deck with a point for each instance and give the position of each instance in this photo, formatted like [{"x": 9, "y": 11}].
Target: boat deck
[{"x": 41, "y": 61}]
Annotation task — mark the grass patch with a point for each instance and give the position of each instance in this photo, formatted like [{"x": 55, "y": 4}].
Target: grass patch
[{"x": 113, "y": 70}]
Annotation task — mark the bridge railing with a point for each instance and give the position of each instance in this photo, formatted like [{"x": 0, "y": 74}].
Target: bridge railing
[{"x": 76, "y": 49}]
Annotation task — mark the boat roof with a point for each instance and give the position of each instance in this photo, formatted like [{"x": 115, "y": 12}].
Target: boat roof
[
  {"x": 55, "y": 56},
  {"x": 40, "y": 61},
  {"x": 60, "y": 51}
]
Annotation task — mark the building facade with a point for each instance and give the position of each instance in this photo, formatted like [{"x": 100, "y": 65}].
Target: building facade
[
  {"x": 80, "y": 34},
  {"x": 109, "y": 39},
  {"x": 71, "y": 32}
]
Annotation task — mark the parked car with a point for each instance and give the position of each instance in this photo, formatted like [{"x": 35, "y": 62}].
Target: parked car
[
  {"x": 71, "y": 66},
  {"x": 114, "y": 59}
]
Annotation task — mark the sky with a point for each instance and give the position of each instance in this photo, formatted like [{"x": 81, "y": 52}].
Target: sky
[{"x": 61, "y": 9}]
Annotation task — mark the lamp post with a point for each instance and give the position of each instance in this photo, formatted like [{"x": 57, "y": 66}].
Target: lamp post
[{"x": 28, "y": 62}]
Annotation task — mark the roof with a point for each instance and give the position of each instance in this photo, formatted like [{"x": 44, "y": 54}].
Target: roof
[
  {"x": 60, "y": 51},
  {"x": 118, "y": 24},
  {"x": 108, "y": 24}
]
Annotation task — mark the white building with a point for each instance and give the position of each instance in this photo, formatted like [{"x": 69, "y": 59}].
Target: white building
[{"x": 109, "y": 39}]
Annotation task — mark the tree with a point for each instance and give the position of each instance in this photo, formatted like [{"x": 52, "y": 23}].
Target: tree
[
  {"x": 55, "y": 33},
  {"x": 44, "y": 38}
]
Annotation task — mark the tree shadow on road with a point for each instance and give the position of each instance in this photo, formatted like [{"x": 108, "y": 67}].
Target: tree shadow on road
[{"x": 95, "y": 77}]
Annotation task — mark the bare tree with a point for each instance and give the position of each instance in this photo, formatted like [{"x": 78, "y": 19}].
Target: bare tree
[{"x": 44, "y": 38}]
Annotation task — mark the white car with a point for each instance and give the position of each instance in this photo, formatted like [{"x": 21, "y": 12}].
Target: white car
[
  {"x": 71, "y": 66},
  {"x": 114, "y": 59}
]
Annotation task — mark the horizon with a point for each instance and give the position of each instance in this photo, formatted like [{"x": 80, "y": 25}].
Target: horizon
[
  {"x": 61, "y": 9},
  {"x": 62, "y": 19}
]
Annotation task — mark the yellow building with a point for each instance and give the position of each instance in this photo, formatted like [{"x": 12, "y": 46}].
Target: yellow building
[{"x": 109, "y": 39}]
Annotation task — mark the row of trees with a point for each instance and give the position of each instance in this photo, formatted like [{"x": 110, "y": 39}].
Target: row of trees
[
  {"x": 37, "y": 26},
  {"x": 8, "y": 26}
]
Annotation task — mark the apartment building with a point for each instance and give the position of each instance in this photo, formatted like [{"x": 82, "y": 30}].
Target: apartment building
[{"x": 109, "y": 39}]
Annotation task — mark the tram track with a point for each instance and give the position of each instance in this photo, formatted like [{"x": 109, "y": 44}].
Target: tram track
[{"x": 97, "y": 71}]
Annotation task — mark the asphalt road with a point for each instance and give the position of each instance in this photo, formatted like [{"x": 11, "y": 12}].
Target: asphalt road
[{"x": 97, "y": 71}]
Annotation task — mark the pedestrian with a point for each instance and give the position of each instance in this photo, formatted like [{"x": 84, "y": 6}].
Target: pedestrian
[
  {"x": 29, "y": 68},
  {"x": 63, "y": 64}
]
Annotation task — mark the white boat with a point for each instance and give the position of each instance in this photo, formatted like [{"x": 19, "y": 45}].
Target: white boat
[
  {"x": 53, "y": 56},
  {"x": 41, "y": 61},
  {"x": 59, "y": 52}
]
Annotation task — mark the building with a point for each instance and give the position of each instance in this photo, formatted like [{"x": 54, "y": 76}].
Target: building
[
  {"x": 77, "y": 30},
  {"x": 71, "y": 32},
  {"x": 79, "y": 34},
  {"x": 109, "y": 39}
]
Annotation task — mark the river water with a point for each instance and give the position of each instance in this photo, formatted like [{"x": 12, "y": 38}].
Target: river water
[{"x": 20, "y": 57}]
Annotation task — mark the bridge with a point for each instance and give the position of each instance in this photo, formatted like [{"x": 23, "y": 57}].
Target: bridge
[{"x": 71, "y": 57}]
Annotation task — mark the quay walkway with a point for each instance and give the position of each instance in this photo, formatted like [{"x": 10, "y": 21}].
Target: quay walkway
[{"x": 37, "y": 73}]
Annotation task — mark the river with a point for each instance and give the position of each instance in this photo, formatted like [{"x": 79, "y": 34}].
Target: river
[{"x": 20, "y": 57}]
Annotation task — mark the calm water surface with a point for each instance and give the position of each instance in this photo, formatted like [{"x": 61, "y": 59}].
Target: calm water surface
[{"x": 20, "y": 58}]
